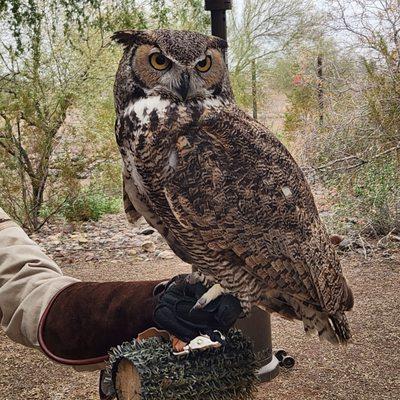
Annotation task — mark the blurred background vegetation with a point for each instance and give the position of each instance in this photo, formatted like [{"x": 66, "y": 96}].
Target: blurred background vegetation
[{"x": 323, "y": 76}]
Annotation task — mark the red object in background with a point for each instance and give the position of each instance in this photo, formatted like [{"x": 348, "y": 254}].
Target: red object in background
[{"x": 298, "y": 79}]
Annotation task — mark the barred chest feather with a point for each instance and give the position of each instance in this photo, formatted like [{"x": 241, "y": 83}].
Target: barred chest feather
[
  {"x": 149, "y": 130},
  {"x": 152, "y": 136}
]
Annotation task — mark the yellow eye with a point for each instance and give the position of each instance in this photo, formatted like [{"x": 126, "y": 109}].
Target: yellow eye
[
  {"x": 159, "y": 62},
  {"x": 204, "y": 65}
]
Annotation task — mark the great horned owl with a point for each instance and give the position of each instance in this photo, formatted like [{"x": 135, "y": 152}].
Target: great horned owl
[{"x": 220, "y": 188}]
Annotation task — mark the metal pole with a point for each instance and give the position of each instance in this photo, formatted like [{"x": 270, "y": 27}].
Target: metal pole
[
  {"x": 257, "y": 326},
  {"x": 218, "y": 16}
]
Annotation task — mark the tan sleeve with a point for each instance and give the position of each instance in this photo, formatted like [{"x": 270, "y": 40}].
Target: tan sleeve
[{"x": 28, "y": 281}]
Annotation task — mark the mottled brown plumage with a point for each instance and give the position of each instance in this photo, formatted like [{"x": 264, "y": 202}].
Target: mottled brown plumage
[{"x": 222, "y": 190}]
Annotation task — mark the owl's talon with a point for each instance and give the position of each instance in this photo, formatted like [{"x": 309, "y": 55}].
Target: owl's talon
[
  {"x": 201, "y": 303},
  {"x": 193, "y": 278},
  {"x": 211, "y": 294}
]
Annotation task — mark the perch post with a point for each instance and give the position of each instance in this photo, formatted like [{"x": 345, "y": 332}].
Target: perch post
[
  {"x": 127, "y": 381},
  {"x": 148, "y": 370}
]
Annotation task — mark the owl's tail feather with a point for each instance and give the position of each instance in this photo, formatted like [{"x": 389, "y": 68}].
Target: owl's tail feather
[
  {"x": 341, "y": 327},
  {"x": 333, "y": 328}
]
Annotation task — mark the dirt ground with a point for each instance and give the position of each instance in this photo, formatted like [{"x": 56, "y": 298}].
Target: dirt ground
[{"x": 110, "y": 250}]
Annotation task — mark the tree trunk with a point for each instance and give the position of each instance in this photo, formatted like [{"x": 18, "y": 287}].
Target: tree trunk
[
  {"x": 320, "y": 90},
  {"x": 254, "y": 87},
  {"x": 38, "y": 186}
]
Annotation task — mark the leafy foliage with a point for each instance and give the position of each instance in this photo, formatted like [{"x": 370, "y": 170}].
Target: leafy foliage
[
  {"x": 56, "y": 103},
  {"x": 375, "y": 197},
  {"x": 356, "y": 149},
  {"x": 90, "y": 204}
]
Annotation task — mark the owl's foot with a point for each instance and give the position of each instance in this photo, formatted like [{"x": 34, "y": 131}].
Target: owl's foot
[
  {"x": 211, "y": 294},
  {"x": 198, "y": 277},
  {"x": 194, "y": 278}
]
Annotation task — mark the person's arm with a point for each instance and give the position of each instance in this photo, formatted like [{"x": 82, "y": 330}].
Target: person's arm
[
  {"x": 74, "y": 323},
  {"x": 28, "y": 282}
]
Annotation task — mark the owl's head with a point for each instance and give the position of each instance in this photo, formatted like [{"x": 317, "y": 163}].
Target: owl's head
[{"x": 178, "y": 65}]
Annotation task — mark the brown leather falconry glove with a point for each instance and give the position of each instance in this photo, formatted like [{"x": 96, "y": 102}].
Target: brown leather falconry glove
[{"x": 85, "y": 319}]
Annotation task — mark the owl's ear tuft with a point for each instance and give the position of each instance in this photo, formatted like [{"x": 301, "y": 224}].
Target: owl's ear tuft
[
  {"x": 218, "y": 43},
  {"x": 129, "y": 37}
]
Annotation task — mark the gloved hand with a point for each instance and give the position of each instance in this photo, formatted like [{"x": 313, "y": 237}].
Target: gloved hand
[{"x": 174, "y": 311}]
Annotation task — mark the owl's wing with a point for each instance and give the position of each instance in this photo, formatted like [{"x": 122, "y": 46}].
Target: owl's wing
[
  {"x": 242, "y": 191},
  {"x": 132, "y": 214}
]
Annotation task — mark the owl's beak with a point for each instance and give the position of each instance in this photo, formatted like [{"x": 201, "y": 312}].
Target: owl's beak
[{"x": 184, "y": 85}]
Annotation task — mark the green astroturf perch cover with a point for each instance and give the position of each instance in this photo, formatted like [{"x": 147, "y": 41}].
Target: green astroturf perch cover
[{"x": 225, "y": 373}]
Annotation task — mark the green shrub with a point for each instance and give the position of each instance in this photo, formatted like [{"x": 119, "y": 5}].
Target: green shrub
[
  {"x": 378, "y": 193},
  {"x": 91, "y": 204},
  {"x": 371, "y": 196}
]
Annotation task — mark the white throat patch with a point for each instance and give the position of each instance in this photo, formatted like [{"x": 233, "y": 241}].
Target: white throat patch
[{"x": 143, "y": 107}]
